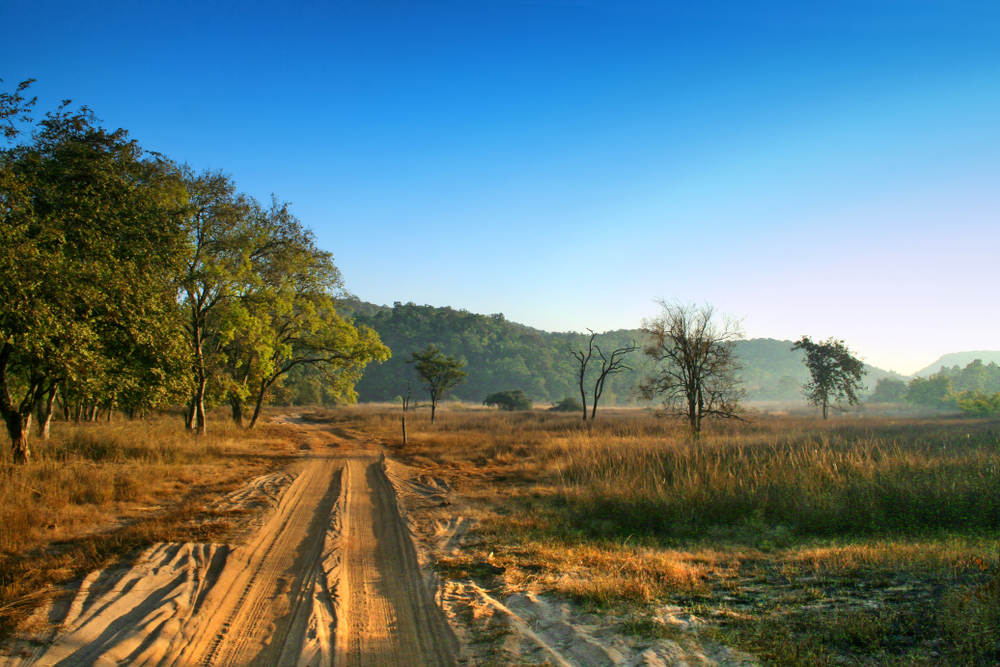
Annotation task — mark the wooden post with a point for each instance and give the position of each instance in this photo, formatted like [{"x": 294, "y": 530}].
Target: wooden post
[{"x": 406, "y": 404}]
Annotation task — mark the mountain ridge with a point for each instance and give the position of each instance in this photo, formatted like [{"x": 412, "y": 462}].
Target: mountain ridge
[{"x": 502, "y": 355}]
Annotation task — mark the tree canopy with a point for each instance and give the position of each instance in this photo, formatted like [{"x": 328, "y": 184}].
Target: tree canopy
[
  {"x": 127, "y": 281},
  {"x": 438, "y": 372},
  {"x": 836, "y": 374}
]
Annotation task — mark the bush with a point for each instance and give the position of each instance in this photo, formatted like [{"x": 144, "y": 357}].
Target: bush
[
  {"x": 568, "y": 404},
  {"x": 510, "y": 401},
  {"x": 979, "y": 404}
]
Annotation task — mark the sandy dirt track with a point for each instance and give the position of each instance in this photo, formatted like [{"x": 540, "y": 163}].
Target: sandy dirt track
[{"x": 330, "y": 578}]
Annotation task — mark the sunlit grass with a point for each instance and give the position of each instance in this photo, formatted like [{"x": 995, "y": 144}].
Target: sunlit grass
[{"x": 896, "y": 518}]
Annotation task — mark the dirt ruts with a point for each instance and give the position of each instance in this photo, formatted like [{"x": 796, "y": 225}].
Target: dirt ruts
[{"x": 330, "y": 579}]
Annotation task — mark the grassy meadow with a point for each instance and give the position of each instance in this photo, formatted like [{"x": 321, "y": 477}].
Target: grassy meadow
[
  {"x": 96, "y": 492},
  {"x": 858, "y": 541}
]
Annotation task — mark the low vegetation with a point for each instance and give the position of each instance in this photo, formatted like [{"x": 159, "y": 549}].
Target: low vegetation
[{"x": 855, "y": 541}]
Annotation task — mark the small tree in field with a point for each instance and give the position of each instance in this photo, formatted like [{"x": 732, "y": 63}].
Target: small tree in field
[
  {"x": 610, "y": 365},
  {"x": 510, "y": 401},
  {"x": 836, "y": 373},
  {"x": 696, "y": 369},
  {"x": 439, "y": 372}
]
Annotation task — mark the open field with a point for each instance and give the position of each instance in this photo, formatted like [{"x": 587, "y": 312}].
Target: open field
[
  {"x": 855, "y": 541},
  {"x": 851, "y": 542}
]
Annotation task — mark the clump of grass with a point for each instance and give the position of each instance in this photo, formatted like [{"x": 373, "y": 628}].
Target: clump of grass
[
  {"x": 970, "y": 616},
  {"x": 815, "y": 484}
]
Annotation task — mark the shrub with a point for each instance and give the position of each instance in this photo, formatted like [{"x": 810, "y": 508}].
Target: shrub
[
  {"x": 510, "y": 401},
  {"x": 568, "y": 404}
]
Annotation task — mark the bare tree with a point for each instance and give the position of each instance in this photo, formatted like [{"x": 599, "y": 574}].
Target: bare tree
[
  {"x": 583, "y": 357},
  {"x": 696, "y": 367},
  {"x": 610, "y": 365}
]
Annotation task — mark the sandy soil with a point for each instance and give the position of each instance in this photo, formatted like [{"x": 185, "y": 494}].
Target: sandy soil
[
  {"x": 499, "y": 625},
  {"x": 329, "y": 578},
  {"x": 337, "y": 569}
]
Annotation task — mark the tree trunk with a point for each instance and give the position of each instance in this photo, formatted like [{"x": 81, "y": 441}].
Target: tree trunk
[
  {"x": 92, "y": 413},
  {"x": 198, "y": 402},
  {"x": 17, "y": 427},
  {"x": 45, "y": 413},
  {"x": 189, "y": 415},
  {"x": 404, "y": 429},
  {"x": 260, "y": 404},
  {"x": 236, "y": 404},
  {"x": 583, "y": 399},
  {"x": 434, "y": 404},
  {"x": 200, "y": 427},
  {"x": 201, "y": 380},
  {"x": 824, "y": 408}
]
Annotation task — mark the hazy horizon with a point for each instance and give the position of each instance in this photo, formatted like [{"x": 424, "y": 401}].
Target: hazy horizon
[{"x": 823, "y": 169}]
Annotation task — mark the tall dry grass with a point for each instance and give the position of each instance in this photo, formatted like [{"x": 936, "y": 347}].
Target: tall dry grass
[
  {"x": 632, "y": 473},
  {"x": 799, "y": 516}
]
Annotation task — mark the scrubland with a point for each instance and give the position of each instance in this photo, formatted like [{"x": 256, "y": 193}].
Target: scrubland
[
  {"x": 860, "y": 541},
  {"x": 96, "y": 492}
]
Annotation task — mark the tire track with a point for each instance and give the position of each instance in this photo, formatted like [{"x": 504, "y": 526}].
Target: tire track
[
  {"x": 330, "y": 579},
  {"x": 390, "y": 614}
]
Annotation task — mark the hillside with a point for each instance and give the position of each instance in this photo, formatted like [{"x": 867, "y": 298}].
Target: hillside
[
  {"x": 502, "y": 355},
  {"x": 959, "y": 359}
]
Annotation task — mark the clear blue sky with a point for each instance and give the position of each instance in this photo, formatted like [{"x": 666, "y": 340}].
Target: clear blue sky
[{"x": 820, "y": 168}]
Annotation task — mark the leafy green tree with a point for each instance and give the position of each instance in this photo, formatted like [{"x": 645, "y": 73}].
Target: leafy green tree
[
  {"x": 836, "y": 373},
  {"x": 439, "y": 372},
  {"x": 888, "y": 390},
  {"x": 15, "y": 108},
  {"x": 978, "y": 404},
  {"x": 90, "y": 238},
  {"x": 510, "y": 401},
  {"x": 933, "y": 392},
  {"x": 696, "y": 371},
  {"x": 288, "y": 318}
]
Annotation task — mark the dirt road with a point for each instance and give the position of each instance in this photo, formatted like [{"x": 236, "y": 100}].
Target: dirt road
[{"x": 330, "y": 578}]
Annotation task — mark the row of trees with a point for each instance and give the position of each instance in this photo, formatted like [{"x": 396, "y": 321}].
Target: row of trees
[
  {"x": 974, "y": 389},
  {"x": 692, "y": 369},
  {"x": 128, "y": 281}
]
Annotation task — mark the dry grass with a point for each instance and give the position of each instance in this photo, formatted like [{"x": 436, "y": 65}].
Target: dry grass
[
  {"x": 853, "y": 541},
  {"x": 95, "y": 493}
]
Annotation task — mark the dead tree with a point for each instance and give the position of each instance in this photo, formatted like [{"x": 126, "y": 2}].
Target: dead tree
[
  {"x": 609, "y": 366},
  {"x": 583, "y": 357}
]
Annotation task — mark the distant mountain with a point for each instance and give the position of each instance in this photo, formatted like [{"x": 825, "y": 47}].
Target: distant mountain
[
  {"x": 503, "y": 355},
  {"x": 960, "y": 359}
]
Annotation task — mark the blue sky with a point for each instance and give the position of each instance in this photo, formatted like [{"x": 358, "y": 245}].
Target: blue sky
[{"x": 820, "y": 168}]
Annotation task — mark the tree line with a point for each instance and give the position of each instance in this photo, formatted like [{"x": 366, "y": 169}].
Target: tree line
[
  {"x": 974, "y": 389},
  {"x": 131, "y": 282}
]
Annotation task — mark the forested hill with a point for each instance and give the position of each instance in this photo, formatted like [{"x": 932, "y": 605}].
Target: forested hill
[
  {"x": 502, "y": 355},
  {"x": 956, "y": 360}
]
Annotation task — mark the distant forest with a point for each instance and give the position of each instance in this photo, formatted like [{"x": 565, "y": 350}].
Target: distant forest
[{"x": 501, "y": 355}]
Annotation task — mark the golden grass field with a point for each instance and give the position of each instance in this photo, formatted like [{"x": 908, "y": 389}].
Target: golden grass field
[
  {"x": 858, "y": 541},
  {"x": 861, "y": 541}
]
